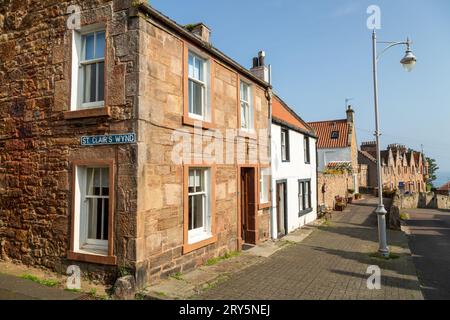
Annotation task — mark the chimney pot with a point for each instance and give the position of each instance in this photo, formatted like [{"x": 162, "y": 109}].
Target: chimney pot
[
  {"x": 259, "y": 69},
  {"x": 255, "y": 62},
  {"x": 262, "y": 58}
]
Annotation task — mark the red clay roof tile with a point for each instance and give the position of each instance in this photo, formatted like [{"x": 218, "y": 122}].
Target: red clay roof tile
[
  {"x": 282, "y": 112},
  {"x": 324, "y": 130}
]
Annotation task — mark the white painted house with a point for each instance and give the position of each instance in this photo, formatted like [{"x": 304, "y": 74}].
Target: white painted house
[
  {"x": 294, "y": 171},
  {"x": 337, "y": 144}
]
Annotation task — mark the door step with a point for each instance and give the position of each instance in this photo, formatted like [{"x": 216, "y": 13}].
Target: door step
[{"x": 246, "y": 246}]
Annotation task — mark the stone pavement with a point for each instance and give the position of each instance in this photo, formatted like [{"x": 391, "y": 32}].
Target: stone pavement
[
  {"x": 186, "y": 286},
  {"x": 330, "y": 264},
  {"x": 14, "y": 288},
  {"x": 429, "y": 239}
]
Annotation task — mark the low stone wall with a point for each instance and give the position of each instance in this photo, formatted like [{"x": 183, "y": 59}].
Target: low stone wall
[
  {"x": 331, "y": 185},
  {"x": 414, "y": 201},
  {"x": 423, "y": 200}
]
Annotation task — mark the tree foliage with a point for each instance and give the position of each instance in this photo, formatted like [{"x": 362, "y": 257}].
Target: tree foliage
[{"x": 432, "y": 171}]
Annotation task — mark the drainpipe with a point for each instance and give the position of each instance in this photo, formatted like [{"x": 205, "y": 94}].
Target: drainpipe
[{"x": 269, "y": 95}]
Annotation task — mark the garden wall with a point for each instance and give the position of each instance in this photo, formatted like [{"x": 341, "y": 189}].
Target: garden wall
[{"x": 331, "y": 185}]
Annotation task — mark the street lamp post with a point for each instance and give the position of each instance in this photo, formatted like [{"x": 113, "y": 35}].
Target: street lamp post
[{"x": 408, "y": 63}]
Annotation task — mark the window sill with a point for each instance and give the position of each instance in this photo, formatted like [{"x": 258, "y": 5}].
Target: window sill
[
  {"x": 193, "y": 122},
  {"x": 302, "y": 213},
  {"x": 92, "y": 258},
  {"x": 187, "y": 248},
  {"x": 264, "y": 206},
  {"x": 247, "y": 133},
  {"x": 88, "y": 113}
]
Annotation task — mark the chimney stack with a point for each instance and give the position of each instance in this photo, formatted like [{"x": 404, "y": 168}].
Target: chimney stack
[
  {"x": 201, "y": 31},
  {"x": 259, "y": 69},
  {"x": 370, "y": 147},
  {"x": 350, "y": 114}
]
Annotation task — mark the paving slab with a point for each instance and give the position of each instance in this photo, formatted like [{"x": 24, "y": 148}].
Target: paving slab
[
  {"x": 14, "y": 288},
  {"x": 331, "y": 263}
]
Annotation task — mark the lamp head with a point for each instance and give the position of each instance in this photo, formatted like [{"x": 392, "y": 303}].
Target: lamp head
[{"x": 409, "y": 60}]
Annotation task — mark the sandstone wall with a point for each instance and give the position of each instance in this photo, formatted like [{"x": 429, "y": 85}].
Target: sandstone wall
[
  {"x": 336, "y": 185},
  {"x": 160, "y": 180},
  {"x": 363, "y": 175}
]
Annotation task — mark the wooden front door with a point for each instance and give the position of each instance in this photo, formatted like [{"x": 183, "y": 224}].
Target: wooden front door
[
  {"x": 248, "y": 205},
  {"x": 281, "y": 209}
]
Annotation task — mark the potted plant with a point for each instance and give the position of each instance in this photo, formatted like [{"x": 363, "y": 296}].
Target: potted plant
[
  {"x": 358, "y": 196},
  {"x": 350, "y": 195},
  {"x": 340, "y": 206}
]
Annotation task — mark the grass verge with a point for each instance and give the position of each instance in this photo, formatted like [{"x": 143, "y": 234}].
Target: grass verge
[
  {"x": 44, "y": 282},
  {"x": 228, "y": 255}
]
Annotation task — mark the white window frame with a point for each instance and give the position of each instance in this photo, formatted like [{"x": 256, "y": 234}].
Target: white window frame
[
  {"x": 78, "y": 61},
  {"x": 307, "y": 149},
  {"x": 304, "y": 196},
  {"x": 206, "y": 112},
  {"x": 264, "y": 185},
  {"x": 82, "y": 244},
  {"x": 285, "y": 148},
  {"x": 204, "y": 232},
  {"x": 246, "y": 106}
]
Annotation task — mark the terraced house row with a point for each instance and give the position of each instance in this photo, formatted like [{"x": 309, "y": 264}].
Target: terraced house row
[
  {"x": 130, "y": 141},
  {"x": 402, "y": 169}
]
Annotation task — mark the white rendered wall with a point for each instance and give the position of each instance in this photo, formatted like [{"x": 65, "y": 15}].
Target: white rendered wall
[
  {"x": 292, "y": 172},
  {"x": 332, "y": 155}
]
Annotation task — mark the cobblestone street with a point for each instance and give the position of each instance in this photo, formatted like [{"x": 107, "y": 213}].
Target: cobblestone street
[{"x": 329, "y": 264}]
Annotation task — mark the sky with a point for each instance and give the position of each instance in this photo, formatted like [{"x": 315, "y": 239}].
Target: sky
[{"x": 320, "y": 52}]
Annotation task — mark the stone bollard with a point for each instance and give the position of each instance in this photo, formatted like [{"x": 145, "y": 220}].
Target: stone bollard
[{"x": 124, "y": 288}]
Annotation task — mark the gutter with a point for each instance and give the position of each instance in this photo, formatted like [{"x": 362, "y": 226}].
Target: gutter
[
  {"x": 151, "y": 12},
  {"x": 294, "y": 128}
]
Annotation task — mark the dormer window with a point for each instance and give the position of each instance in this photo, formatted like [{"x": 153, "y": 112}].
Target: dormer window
[{"x": 335, "y": 135}]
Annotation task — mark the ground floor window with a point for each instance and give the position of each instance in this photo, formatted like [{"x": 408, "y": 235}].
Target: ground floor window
[
  {"x": 92, "y": 209},
  {"x": 199, "y": 204},
  {"x": 264, "y": 185},
  {"x": 304, "y": 196}
]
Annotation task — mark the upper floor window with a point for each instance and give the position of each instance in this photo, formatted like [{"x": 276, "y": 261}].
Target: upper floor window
[
  {"x": 335, "y": 135},
  {"x": 198, "y": 87},
  {"x": 246, "y": 107},
  {"x": 285, "y": 145},
  {"x": 88, "y": 68},
  {"x": 306, "y": 150}
]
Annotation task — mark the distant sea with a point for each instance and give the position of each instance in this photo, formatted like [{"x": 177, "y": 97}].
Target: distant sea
[{"x": 442, "y": 178}]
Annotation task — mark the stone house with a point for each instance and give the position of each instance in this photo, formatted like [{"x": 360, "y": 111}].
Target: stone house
[
  {"x": 337, "y": 145},
  {"x": 103, "y": 136},
  {"x": 402, "y": 169},
  {"x": 444, "y": 189},
  {"x": 294, "y": 170}
]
